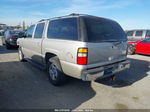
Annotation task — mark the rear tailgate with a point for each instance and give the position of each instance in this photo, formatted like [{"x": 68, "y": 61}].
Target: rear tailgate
[{"x": 106, "y": 52}]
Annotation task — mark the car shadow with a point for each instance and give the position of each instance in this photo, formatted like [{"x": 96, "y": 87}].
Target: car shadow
[
  {"x": 3, "y": 50},
  {"x": 137, "y": 71},
  {"x": 23, "y": 86}
]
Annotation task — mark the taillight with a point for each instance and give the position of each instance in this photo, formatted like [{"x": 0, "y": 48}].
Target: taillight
[
  {"x": 11, "y": 37},
  {"x": 82, "y": 56}
]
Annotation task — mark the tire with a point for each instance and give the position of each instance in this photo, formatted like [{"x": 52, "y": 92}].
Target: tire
[
  {"x": 131, "y": 50},
  {"x": 20, "y": 55},
  {"x": 56, "y": 76},
  {"x": 8, "y": 46}
]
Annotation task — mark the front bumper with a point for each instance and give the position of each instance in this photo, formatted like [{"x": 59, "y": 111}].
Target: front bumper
[{"x": 104, "y": 71}]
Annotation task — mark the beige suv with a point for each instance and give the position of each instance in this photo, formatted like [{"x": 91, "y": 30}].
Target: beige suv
[{"x": 81, "y": 46}]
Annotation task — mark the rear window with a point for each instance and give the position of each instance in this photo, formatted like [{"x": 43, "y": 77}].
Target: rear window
[
  {"x": 130, "y": 33},
  {"x": 17, "y": 33},
  {"x": 63, "y": 29},
  {"x": 148, "y": 33},
  {"x": 99, "y": 29}
]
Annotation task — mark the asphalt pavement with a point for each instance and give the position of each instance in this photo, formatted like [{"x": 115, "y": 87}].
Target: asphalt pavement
[{"x": 23, "y": 86}]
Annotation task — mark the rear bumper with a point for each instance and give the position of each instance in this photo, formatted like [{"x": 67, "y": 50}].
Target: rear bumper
[
  {"x": 12, "y": 43},
  {"x": 104, "y": 71}
]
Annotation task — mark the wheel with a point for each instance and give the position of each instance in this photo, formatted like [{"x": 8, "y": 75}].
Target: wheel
[
  {"x": 131, "y": 49},
  {"x": 8, "y": 46},
  {"x": 20, "y": 54},
  {"x": 56, "y": 76}
]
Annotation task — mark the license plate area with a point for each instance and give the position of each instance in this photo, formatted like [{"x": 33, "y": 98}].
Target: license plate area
[{"x": 109, "y": 71}]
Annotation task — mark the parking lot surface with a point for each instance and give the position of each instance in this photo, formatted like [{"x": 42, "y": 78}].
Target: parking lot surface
[{"x": 23, "y": 86}]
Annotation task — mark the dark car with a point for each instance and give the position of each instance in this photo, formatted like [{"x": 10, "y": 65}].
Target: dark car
[{"x": 11, "y": 37}]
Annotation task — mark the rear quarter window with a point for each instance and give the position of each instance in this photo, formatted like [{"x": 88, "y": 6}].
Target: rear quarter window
[
  {"x": 139, "y": 33},
  {"x": 63, "y": 29}
]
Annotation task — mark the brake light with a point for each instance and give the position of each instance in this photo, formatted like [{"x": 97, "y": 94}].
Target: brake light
[
  {"x": 11, "y": 37},
  {"x": 82, "y": 56}
]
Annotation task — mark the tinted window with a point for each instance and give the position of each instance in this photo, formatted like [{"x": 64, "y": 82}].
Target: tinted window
[
  {"x": 139, "y": 33},
  {"x": 130, "y": 33},
  {"x": 29, "y": 32},
  {"x": 63, "y": 29},
  {"x": 99, "y": 29},
  {"x": 146, "y": 40},
  {"x": 39, "y": 30},
  {"x": 148, "y": 33},
  {"x": 17, "y": 33}
]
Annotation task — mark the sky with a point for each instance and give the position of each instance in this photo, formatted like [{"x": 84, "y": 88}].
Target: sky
[{"x": 131, "y": 14}]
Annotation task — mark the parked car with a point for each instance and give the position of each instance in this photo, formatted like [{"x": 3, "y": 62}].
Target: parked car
[
  {"x": 2, "y": 36},
  {"x": 140, "y": 47},
  {"x": 135, "y": 35},
  {"x": 81, "y": 46},
  {"x": 11, "y": 36}
]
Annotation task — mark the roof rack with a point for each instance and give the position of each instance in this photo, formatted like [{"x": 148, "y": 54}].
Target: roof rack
[
  {"x": 42, "y": 20},
  {"x": 72, "y": 14}
]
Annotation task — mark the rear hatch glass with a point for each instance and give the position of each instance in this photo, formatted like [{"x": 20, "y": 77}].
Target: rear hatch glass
[
  {"x": 100, "y": 29},
  {"x": 17, "y": 34}
]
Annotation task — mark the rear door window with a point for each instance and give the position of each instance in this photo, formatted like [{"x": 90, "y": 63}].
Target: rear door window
[
  {"x": 130, "y": 33},
  {"x": 63, "y": 29},
  {"x": 39, "y": 30},
  {"x": 99, "y": 29},
  {"x": 139, "y": 33},
  {"x": 148, "y": 33}
]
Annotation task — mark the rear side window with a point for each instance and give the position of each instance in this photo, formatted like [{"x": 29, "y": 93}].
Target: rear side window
[
  {"x": 130, "y": 33},
  {"x": 29, "y": 32},
  {"x": 139, "y": 33},
  {"x": 99, "y": 29},
  {"x": 148, "y": 33},
  {"x": 63, "y": 29},
  {"x": 39, "y": 30},
  {"x": 146, "y": 40}
]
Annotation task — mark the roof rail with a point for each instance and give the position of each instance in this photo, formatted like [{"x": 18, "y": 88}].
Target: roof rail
[
  {"x": 74, "y": 14},
  {"x": 42, "y": 20}
]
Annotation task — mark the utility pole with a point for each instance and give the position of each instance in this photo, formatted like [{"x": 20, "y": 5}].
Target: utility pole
[{"x": 23, "y": 25}]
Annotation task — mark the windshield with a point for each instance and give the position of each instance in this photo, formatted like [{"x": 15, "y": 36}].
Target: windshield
[{"x": 99, "y": 29}]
